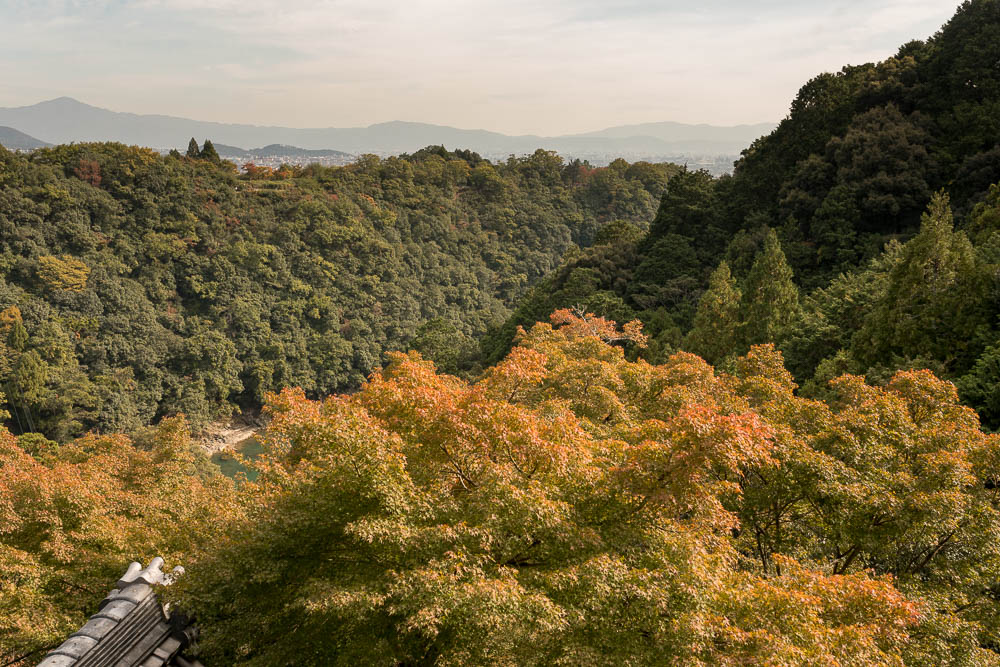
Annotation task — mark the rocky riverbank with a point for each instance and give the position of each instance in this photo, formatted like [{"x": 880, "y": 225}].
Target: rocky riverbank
[{"x": 225, "y": 435}]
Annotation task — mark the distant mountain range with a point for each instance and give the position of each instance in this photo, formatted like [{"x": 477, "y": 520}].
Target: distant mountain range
[
  {"x": 65, "y": 120},
  {"x": 19, "y": 141}
]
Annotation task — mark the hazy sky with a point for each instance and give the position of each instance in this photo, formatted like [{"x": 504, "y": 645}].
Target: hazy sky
[{"x": 515, "y": 66}]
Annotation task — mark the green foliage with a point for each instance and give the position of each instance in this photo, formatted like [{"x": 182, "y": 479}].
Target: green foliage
[
  {"x": 770, "y": 300},
  {"x": 443, "y": 343},
  {"x": 831, "y": 317},
  {"x": 934, "y": 303},
  {"x": 688, "y": 208},
  {"x": 208, "y": 152},
  {"x": 980, "y": 387},
  {"x": 715, "y": 334},
  {"x": 172, "y": 285}
]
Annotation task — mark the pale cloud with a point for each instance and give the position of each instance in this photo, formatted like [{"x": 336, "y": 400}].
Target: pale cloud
[{"x": 516, "y": 66}]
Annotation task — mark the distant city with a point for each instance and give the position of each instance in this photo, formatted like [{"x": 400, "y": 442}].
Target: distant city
[{"x": 716, "y": 165}]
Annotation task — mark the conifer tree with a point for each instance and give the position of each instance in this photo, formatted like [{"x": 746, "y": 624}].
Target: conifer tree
[
  {"x": 715, "y": 335},
  {"x": 935, "y": 300},
  {"x": 208, "y": 152},
  {"x": 193, "y": 151},
  {"x": 770, "y": 298}
]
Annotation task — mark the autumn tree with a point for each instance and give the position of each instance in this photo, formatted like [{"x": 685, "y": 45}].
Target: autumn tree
[
  {"x": 896, "y": 480},
  {"x": 73, "y": 516},
  {"x": 88, "y": 171},
  {"x": 572, "y": 507}
]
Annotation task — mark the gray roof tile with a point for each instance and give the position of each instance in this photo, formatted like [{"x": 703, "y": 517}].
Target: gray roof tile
[
  {"x": 115, "y": 610},
  {"x": 96, "y": 628},
  {"x": 76, "y": 646},
  {"x": 135, "y": 592},
  {"x": 131, "y": 628}
]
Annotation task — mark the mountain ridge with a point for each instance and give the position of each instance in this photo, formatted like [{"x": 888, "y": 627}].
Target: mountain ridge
[
  {"x": 14, "y": 139},
  {"x": 65, "y": 119}
]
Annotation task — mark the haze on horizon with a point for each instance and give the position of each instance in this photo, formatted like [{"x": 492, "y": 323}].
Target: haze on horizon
[{"x": 512, "y": 66}]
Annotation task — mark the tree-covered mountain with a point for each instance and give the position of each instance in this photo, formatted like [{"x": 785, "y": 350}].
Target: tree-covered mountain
[
  {"x": 135, "y": 286},
  {"x": 801, "y": 246}
]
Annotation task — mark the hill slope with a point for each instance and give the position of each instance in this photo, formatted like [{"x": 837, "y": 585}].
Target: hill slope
[
  {"x": 135, "y": 285},
  {"x": 17, "y": 140},
  {"x": 828, "y": 197}
]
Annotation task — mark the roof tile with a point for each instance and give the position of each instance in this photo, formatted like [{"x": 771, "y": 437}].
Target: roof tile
[
  {"x": 76, "y": 646},
  {"x": 116, "y": 610},
  {"x": 96, "y": 628},
  {"x": 131, "y": 627},
  {"x": 135, "y": 592}
]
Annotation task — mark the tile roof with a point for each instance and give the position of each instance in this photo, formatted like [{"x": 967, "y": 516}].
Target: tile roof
[{"x": 131, "y": 627}]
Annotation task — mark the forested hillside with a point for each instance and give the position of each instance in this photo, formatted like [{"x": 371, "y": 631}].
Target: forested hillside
[
  {"x": 134, "y": 286},
  {"x": 513, "y": 422},
  {"x": 861, "y": 236},
  {"x": 570, "y": 507}
]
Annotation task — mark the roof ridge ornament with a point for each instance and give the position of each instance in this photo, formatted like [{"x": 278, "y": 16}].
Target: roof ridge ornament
[{"x": 151, "y": 574}]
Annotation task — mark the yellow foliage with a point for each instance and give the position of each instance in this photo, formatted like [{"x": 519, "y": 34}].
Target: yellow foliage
[{"x": 65, "y": 272}]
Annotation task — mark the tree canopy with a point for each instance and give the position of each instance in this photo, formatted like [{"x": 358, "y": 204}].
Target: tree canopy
[
  {"x": 861, "y": 234},
  {"x": 150, "y": 285},
  {"x": 575, "y": 507}
]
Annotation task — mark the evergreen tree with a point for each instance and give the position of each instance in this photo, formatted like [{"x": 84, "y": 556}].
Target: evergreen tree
[
  {"x": 935, "y": 302},
  {"x": 208, "y": 152},
  {"x": 716, "y": 323},
  {"x": 770, "y": 298},
  {"x": 193, "y": 151},
  {"x": 688, "y": 206}
]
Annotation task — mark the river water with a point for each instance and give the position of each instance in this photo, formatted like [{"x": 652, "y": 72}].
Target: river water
[{"x": 230, "y": 467}]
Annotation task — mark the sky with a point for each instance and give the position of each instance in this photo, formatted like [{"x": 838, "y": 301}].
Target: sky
[{"x": 545, "y": 67}]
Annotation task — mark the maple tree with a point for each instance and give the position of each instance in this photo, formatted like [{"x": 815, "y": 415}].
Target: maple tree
[
  {"x": 575, "y": 507},
  {"x": 571, "y": 506},
  {"x": 73, "y": 515}
]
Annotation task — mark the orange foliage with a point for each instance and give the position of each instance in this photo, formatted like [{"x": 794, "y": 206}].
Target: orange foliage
[
  {"x": 72, "y": 516},
  {"x": 88, "y": 171},
  {"x": 573, "y": 507}
]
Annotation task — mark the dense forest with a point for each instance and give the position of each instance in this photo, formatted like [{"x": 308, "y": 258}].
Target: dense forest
[
  {"x": 135, "y": 286},
  {"x": 568, "y": 507},
  {"x": 527, "y": 413},
  {"x": 861, "y": 236}
]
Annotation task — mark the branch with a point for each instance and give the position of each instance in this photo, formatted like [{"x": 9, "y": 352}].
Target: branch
[{"x": 19, "y": 658}]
